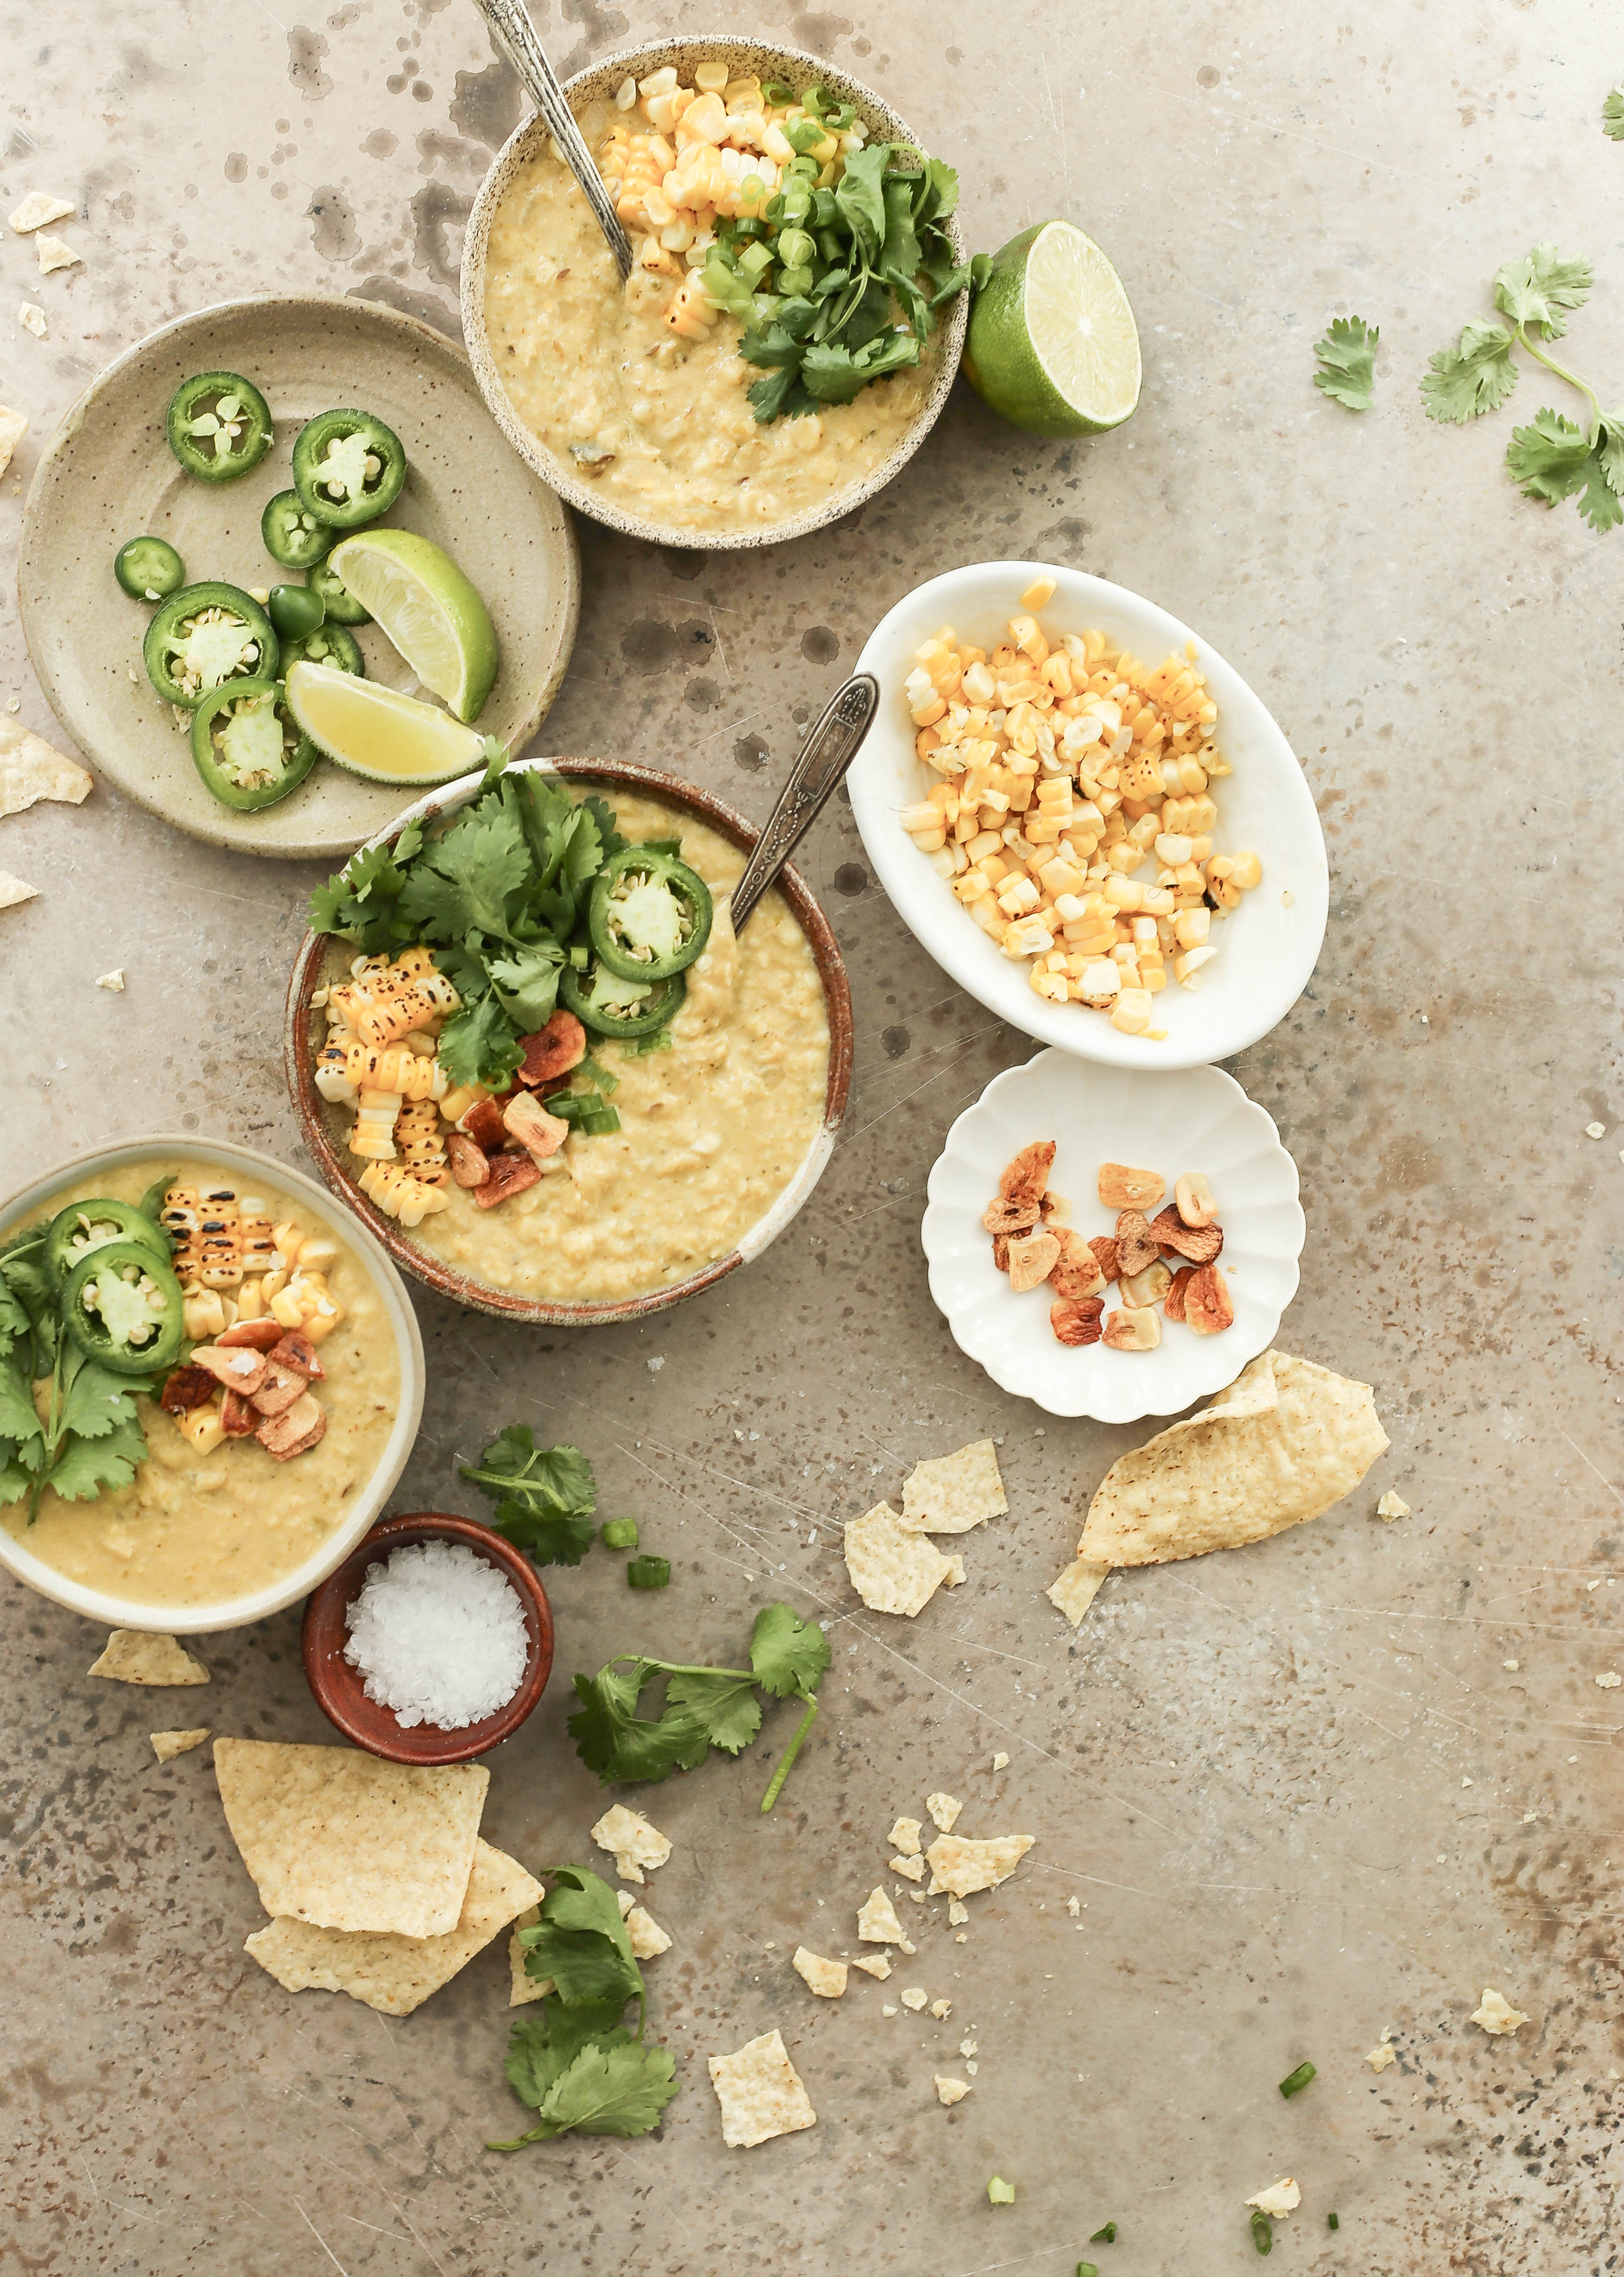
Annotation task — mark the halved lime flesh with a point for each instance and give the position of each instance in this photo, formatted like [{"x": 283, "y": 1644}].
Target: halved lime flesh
[
  {"x": 427, "y": 608},
  {"x": 1052, "y": 345},
  {"x": 377, "y": 733}
]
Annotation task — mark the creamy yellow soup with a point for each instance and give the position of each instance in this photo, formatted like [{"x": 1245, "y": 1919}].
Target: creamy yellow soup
[
  {"x": 712, "y": 1131},
  {"x": 197, "y": 1530},
  {"x": 659, "y": 425}
]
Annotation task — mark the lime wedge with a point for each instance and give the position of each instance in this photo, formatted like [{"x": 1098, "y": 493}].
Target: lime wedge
[
  {"x": 1052, "y": 345},
  {"x": 377, "y": 733},
  {"x": 427, "y": 608}
]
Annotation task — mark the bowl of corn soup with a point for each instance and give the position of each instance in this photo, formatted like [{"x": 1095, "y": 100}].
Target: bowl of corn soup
[
  {"x": 1087, "y": 818},
  {"x": 707, "y": 1132},
  {"x": 632, "y": 399}
]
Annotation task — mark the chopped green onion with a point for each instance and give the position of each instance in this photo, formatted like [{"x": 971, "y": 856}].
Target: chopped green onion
[
  {"x": 1296, "y": 2081},
  {"x": 755, "y": 260},
  {"x": 1332, "y": 2221},
  {"x": 999, "y": 2192},
  {"x": 1087, "y": 2269},
  {"x": 807, "y": 169},
  {"x": 620, "y": 1534},
  {"x": 649, "y": 1573},
  {"x": 1262, "y": 2234},
  {"x": 1106, "y": 2237},
  {"x": 796, "y": 281},
  {"x": 796, "y": 248},
  {"x": 603, "y": 1124},
  {"x": 797, "y": 201},
  {"x": 638, "y": 1048},
  {"x": 580, "y": 958},
  {"x": 775, "y": 91},
  {"x": 590, "y": 1067},
  {"x": 804, "y": 136}
]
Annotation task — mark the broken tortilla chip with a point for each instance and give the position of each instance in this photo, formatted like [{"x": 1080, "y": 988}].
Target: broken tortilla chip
[
  {"x": 1495, "y": 2013},
  {"x": 944, "y": 1809},
  {"x": 877, "y": 1921},
  {"x": 960, "y": 1867},
  {"x": 36, "y": 209},
  {"x": 1283, "y": 1443},
  {"x": 827, "y": 1979},
  {"x": 31, "y": 768},
  {"x": 13, "y": 427},
  {"x": 952, "y": 1493},
  {"x": 56, "y": 253},
  {"x": 633, "y": 1842},
  {"x": 525, "y": 1987},
  {"x": 31, "y": 316},
  {"x": 950, "y": 2090},
  {"x": 648, "y": 1939},
  {"x": 905, "y": 1835},
  {"x": 1077, "y": 1588},
  {"x": 892, "y": 1570},
  {"x": 137, "y": 1656},
  {"x": 341, "y": 1840},
  {"x": 167, "y": 1745},
  {"x": 760, "y": 2093},
  {"x": 394, "y": 1973},
  {"x": 873, "y": 1964},
  {"x": 14, "y": 890}
]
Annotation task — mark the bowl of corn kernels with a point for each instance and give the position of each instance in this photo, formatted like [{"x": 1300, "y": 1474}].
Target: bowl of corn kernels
[{"x": 1087, "y": 818}]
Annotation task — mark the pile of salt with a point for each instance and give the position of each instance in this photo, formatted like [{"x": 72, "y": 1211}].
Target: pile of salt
[{"x": 438, "y": 1633}]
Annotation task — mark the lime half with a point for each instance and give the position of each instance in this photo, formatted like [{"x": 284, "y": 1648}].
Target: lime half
[
  {"x": 1052, "y": 345},
  {"x": 428, "y": 610},
  {"x": 379, "y": 733}
]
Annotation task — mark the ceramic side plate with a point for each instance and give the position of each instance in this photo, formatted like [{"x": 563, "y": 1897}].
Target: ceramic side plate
[
  {"x": 1198, "y": 1120},
  {"x": 108, "y": 474}
]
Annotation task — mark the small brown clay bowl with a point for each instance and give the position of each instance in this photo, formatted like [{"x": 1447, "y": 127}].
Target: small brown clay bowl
[
  {"x": 598, "y": 83},
  {"x": 339, "y": 1689},
  {"x": 323, "y": 958}
]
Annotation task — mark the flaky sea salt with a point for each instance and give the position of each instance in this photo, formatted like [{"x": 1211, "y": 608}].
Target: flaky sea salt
[{"x": 439, "y": 1634}]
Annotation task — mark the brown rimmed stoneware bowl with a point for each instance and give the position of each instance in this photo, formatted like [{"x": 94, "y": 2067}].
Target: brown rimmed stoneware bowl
[
  {"x": 321, "y": 958},
  {"x": 340, "y": 1690},
  {"x": 599, "y": 84}
]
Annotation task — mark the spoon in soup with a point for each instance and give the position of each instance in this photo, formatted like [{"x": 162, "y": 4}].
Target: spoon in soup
[
  {"x": 512, "y": 25},
  {"x": 832, "y": 743}
]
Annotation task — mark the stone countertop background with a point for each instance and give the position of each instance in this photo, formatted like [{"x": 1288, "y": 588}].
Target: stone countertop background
[{"x": 1302, "y": 1792}]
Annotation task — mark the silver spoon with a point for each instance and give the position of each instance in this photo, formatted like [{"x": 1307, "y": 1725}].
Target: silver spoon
[
  {"x": 508, "y": 19},
  {"x": 832, "y": 743}
]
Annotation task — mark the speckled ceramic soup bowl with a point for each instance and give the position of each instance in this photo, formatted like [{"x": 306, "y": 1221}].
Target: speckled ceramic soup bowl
[
  {"x": 743, "y": 58},
  {"x": 323, "y": 959}
]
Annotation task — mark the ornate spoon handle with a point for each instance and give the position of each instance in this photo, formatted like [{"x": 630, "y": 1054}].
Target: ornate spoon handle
[
  {"x": 508, "y": 19},
  {"x": 829, "y": 749}
]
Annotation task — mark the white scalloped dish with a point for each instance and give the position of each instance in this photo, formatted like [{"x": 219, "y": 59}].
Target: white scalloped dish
[{"x": 1198, "y": 1119}]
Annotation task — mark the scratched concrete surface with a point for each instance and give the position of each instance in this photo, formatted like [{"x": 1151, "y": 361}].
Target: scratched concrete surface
[{"x": 1336, "y": 1783}]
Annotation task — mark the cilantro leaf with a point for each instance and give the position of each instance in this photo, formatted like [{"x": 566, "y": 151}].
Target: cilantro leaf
[
  {"x": 611, "y": 2090},
  {"x": 526, "y": 983},
  {"x": 613, "y": 1740},
  {"x": 1476, "y": 375},
  {"x": 859, "y": 196},
  {"x": 835, "y": 374},
  {"x": 544, "y": 1496},
  {"x": 359, "y": 902},
  {"x": 95, "y": 1401},
  {"x": 86, "y": 1465},
  {"x": 19, "y": 1422},
  {"x": 479, "y": 1045},
  {"x": 540, "y": 2048},
  {"x": 15, "y": 1481},
  {"x": 899, "y": 251},
  {"x": 462, "y": 882},
  {"x": 787, "y": 1654},
  {"x": 15, "y": 1325},
  {"x": 1347, "y": 363},
  {"x": 725, "y": 1705},
  {"x": 581, "y": 1944},
  {"x": 1541, "y": 287},
  {"x": 1613, "y": 114},
  {"x": 1548, "y": 460}
]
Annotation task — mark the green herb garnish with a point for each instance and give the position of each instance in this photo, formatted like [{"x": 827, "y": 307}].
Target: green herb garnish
[
  {"x": 89, "y": 1436},
  {"x": 1262, "y": 2232},
  {"x": 1347, "y": 363},
  {"x": 1296, "y": 2081},
  {"x": 1105, "y": 2237},
  {"x": 705, "y": 1707},
  {"x": 620, "y": 1534},
  {"x": 999, "y": 2192},
  {"x": 575, "y": 2064},
  {"x": 649, "y": 1573},
  {"x": 1613, "y": 114},
  {"x": 544, "y": 1496},
  {"x": 1333, "y": 2221}
]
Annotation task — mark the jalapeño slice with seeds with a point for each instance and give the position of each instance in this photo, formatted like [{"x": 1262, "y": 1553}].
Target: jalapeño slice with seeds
[
  {"x": 84, "y": 1226},
  {"x": 149, "y": 568},
  {"x": 610, "y": 1006},
  {"x": 292, "y": 533},
  {"x": 341, "y": 605},
  {"x": 219, "y": 425},
  {"x": 330, "y": 644},
  {"x": 248, "y": 747},
  {"x": 203, "y": 637},
  {"x": 347, "y": 468},
  {"x": 123, "y": 1307},
  {"x": 649, "y": 915}
]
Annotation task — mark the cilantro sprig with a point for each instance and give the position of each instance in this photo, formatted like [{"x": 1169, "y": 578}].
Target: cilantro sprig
[
  {"x": 1552, "y": 459},
  {"x": 1612, "y": 114},
  {"x": 1347, "y": 363},
  {"x": 704, "y": 1707},
  {"x": 573, "y": 2062},
  {"x": 544, "y": 1496}
]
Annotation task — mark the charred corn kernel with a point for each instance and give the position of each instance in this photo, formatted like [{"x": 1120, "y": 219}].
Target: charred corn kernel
[
  {"x": 1051, "y": 986},
  {"x": 931, "y": 840},
  {"x": 1028, "y": 937},
  {"x": 1125, "y": 893},
  {"x": 201, "y": 1428},
  {"x": 204, "y": 1313},
  {"x": 1027, "y": 636},
  {"x": 970, "y": 886},
  {"x": 206, "y": 1228},
  {"x": 691, "y": 313},
  {"x": 1144, "y": 931},
  {"x": 1246, "y": 872},
  {"x": 421, "y": 1147},
  {"x": 1018, "y": 895},
  {"x": 394, "y": 1069},
  {"x": 1158, "y": 900},
  {"x": 925, "y": 714},
  {"x": 399, "y": 1195},
  {"x": 925, "y": 816},
  {"x": 456, "y": 1103},
  {"x": 1039, "y": 594},
  {"x": 1131, "y": 1011},
  {"x": 1152, "y": 977},
  {"x": 331, "y": 1064},
  {"x": 250, "y": 1302},
  {"x": 1187, "y": 969},
  {"x": 284, "y": 1309},
  {"x": 255, "y": 1243}
]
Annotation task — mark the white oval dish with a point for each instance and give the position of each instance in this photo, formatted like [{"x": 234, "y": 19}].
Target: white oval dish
[
  {"x": 237, "y": 1613},
  {"x": 1198, "y": 1120},
  {"x": 1267, "y": 949}
]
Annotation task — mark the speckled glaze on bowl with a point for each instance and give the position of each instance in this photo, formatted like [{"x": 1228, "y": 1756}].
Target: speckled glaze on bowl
[
  {"x": 340, "y": 1688},
  {"x": 109, "y": 474},
  {"x": 321, "y": 957},
  {"x": 598, "y": 83}
]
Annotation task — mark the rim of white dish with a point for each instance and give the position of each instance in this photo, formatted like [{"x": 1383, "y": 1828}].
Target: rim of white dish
[
  {"x": 947, "y": 932},
  {"x": 1119, "y": 1395},
  {"x": 238, "y": 1612}
]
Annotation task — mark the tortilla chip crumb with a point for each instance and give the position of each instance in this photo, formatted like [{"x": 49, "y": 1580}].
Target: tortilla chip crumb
[
  {"x": 969, "y": 2047},
  {"x": 633, "y": 1842},
  {"x": 760, "y": 2093},
  {"x": 1391, "y": 1507},
  {"x": 942, "y": 2010},
  {"x": 827, "y": 1979},
  {"x": 32, "y": 318},
  {"x": 1281, "y": 2198},
  {"x": 962, "y": 1866},
  {"x": 953, "y": 1493},
  {"x": 38, "y": 208},
  {"x": 56, "y": 253},
  {"x": 877, "y": 1921},
  {"x": 31, "y": 768},
  {"x": 1381, "y": 2056},
  {"x": 1077, "y": 1588},
  {"x": 523, "y": 1986},
  {"x": 137, "y": 1656},
  {"x": 113, "y": 981},
  {"x": 905, "y": 1835},
  {"x": 15, "y": 890},
  {"x": 1074, "y": 1906},
  {"x": 873, "y": 1964},
  {"x": 1610, "y": 1679},
  {"x": 167, "y": 1745},
  {"x": 892, "y": 1570},
  {"x": 944, "y": 1809},
  {"x": 912, "y": 1869},
  {"x": 1001, "y": 1762},
  {"x": 648, "y": 1939},
  {"x": 913, "y": 1998},
  {"x": 957, "y": 1914},
  {"x": 1497, "y": 2015},
  {"x": 13, "y": 427},
  {"x": 950, "y": 2090},
  {"x": 889, "y": 2009}
]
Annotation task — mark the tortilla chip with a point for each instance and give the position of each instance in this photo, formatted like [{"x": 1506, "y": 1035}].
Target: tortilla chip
[
  {"x": 827, "y": 1979},
  {"x": 1283, "y": 1443},
  {"x": 909, "y": 1864},
  {"x": 1392, "y": 1505},
  {"x": 914, "y": 1997},
  {"x": 962, "y": 1866},
  {"x": 1496, "y": 2014},
  {"x": 525, "y": 1987},
  {"x": 944, "y": 1809},
  {"x": 950, "y": 2090},
  {"x": 13, "y": 427},
  {"x": 905, "y": 1835},
  {"x": 892, "y": 1570},
  {"x": 56, "y": 253},
  {"x": 36, "y": 209},
  {"x": 634, "y": 1842},
  {"x": 648, "y": 1939},
  {"x": 112, "y": 981},
  {"x": 342, "y": 1841},
  {"x": 31, "y": 316},
  {"x": 760, "y": 2093},
  {"x": 952, "y": 1493},
  {"x": 395, "y": 1975},
  {"x": 1077, "y": 1588},
  {"x": 873, "y": 1964},
  {"x": 167, "y": 1745},
  {"x": 137, "y": 1656},
  {"x": 30, "y": 768},
  {"x": 14, "y": 890},
  {"x": 1279, "y": 2199},
  {"x": 877, "y": 1921}
]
